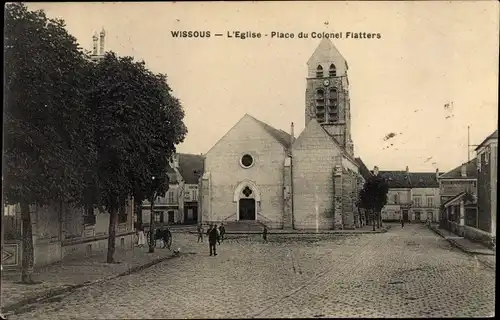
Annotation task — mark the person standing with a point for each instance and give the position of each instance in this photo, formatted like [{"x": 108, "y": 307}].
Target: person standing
[
  {"x": 222, "y": 231},
  {"x": 141, "y": 241},
  {"x": 213, "y": 236},
  {"x": 264, "y": 233},
  {"x": 402, "y": 222},
  {"x": 167, "y": 237},
  {"x": 200, "y": 232}
]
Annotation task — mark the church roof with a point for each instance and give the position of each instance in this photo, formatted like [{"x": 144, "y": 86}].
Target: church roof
[
  {"x": 363, "y": 170},
  {"x": 344, "y": 152},
  {"x": 470, "y": 169},
  {"x": 325, "y": 50},
  {"x": 281, "y": 136},
  {"x": 190, "y": 167}
]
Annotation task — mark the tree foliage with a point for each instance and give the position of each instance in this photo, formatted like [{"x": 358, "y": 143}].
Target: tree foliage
[
  {"x": 373, "y": 195},
  {"x": 78, "y": 131},
  {"x": 45, "y": 141},
  {"x": 46, "y": 144}
]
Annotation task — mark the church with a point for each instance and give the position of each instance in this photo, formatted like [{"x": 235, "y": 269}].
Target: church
[{"x": 259, "y": 174}]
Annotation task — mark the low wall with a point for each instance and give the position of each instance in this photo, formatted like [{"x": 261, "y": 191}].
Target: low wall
[
  {"x": 472, "y": 234},
  {"x": 47, "y": 252},
  {"x": 74, "y": 248}
]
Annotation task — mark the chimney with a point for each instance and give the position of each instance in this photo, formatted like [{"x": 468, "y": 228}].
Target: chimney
[
  {"x": 292, "y": 134},
  {"x": 437, "y": 173},
  {"x": 464, "y": 170},
  {"x": 94, "y": 46},
  {"x": 375, "y": 171},
  {"x": 101, "y": 45},
  {"x": 407, "y": 169}
]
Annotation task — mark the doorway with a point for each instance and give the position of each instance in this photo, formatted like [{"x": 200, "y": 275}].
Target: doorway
[
  {"x": 247, "y": 209},
  {"x": 171, "y": 217},
  {"x": 405, "y": 215}
]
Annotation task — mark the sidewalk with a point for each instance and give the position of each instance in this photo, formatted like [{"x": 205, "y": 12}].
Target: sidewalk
[
  {"x": 363, "y": 230},
  {"x": 69, "y": 274},
  {"x": 482, "y": 253}
]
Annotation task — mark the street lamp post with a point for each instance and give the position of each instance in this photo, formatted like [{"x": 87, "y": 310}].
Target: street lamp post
[{"x": 152, "y": 235}]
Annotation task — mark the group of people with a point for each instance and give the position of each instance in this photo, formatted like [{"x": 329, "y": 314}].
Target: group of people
[
  {"x": 215, "y": 236},
  {"x": 161, "y": 234}
]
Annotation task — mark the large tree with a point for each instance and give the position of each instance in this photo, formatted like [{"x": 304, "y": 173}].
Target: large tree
[
  {"x": 46, "y": 144},
  {"x": 138, "y": 125},
  {"x": 373, "y": 197}
]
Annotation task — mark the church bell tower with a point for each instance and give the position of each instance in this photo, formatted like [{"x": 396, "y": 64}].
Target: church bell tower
[{"x": 327, "y": 93}]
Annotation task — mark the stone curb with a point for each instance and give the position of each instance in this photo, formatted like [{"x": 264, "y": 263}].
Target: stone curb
[
  {"x": 298, "y": 233},
  {"x": 459, "y": 246},
  {"x": 12, "y": 308}
]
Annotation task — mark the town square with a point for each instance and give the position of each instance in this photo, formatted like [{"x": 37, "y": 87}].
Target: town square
[{"x": 155, "y": 168}]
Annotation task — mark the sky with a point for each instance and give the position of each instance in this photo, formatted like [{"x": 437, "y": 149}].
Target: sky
[{"x": 429, "y": 54}]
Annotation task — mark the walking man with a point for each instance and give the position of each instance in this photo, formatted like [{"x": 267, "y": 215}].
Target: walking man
[
  {"x": 200, "y": 232},
  {"x": 212, "y": 239},
  {"x": 222, "y": 231}
]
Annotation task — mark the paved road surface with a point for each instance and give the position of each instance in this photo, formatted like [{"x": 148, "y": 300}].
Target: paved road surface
[{"x": 408, "y": 272}]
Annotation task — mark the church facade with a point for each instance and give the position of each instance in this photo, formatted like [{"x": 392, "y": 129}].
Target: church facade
[{"x": 259, "y": 173}]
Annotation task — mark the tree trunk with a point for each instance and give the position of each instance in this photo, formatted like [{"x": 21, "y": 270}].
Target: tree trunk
[
  {"x": 28, "y": 258},
  {"x": 152, "y": 234},
  {"x": 138, "y": 211},
  {"x": 113, "y": 221},
  {"x": 381, "y": 220},
  {"x": 377, "y": 217}
]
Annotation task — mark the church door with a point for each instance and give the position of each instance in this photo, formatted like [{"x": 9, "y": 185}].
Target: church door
[{"x": 247, "y": 209}]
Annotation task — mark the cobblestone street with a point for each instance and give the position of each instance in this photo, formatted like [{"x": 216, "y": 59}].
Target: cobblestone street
[{"x": 410, "y": 272}]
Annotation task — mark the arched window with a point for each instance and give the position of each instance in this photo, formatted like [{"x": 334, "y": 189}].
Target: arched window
[
  {"x": 333, "y": 71},
  {"x": 319, "y": 72}
]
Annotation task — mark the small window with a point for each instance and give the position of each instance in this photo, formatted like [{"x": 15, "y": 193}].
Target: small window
[
  {"x": 246, "y": 161},
  {"x": 319, "y": 72},
  {"x": 333, "y": 71}
]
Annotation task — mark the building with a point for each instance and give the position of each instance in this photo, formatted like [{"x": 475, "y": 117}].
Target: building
[
  {"x": 61, "y": 230},
  {"x": 259, "y": 174},
  {"x": 471, "y": 211},
  {"x": 487, "y": 163},
  {"x": 180, "y": 204},
  {"x": 413, "y": 196},
  {"x": 98, "y": 53},
  {"x": 461, "y": 179}
]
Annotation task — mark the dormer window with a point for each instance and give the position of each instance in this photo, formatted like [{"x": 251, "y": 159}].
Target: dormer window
[
  {"x": 319, "y": 72},
  {"x": 333, "y": 71}
]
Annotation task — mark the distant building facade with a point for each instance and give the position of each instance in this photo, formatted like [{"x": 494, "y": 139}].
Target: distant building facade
[
  {"x": 180, "y": 203},
  {"x": 412, "y": 196}
]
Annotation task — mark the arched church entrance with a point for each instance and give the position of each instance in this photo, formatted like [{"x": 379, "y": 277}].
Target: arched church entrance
[
  {"x": 247, "y": 198},
  {"x": 247, "y": 209}
]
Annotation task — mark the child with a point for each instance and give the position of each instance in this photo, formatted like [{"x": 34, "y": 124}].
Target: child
[{"x": 200, "y": 232}]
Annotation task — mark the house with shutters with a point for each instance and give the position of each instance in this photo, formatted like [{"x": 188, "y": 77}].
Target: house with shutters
[{"x": 413, "y": 196}]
